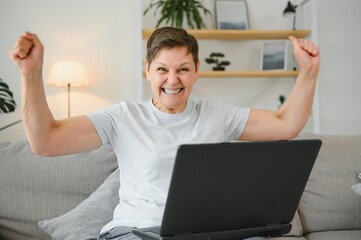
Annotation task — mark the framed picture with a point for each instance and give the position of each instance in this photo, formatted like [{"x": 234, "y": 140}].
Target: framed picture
[
  {"x": 274, "y": 55},
  {"x": 232, "y": 14}
]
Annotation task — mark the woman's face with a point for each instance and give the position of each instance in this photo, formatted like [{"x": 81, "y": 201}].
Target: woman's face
[{"x": 171, "y": 74}]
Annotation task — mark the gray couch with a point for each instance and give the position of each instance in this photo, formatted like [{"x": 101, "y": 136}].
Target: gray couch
[{"x": 72, "y": 197}]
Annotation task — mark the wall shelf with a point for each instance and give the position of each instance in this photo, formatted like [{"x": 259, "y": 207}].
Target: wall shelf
[
  {"x": 244, "y": 74},
  {"x": 216, "y": 34}
]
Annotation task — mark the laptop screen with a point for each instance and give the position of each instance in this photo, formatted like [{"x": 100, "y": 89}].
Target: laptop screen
[{"x": 226, "y": 186}]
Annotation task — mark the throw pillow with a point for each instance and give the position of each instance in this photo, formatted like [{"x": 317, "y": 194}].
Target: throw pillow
[
  {"x": 357, "y": 188},
  {"x": 86, "y": 220}
]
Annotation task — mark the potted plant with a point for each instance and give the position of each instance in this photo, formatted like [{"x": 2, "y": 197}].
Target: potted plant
[
  {"x": 214, "y": 58},
  {"x": 7, "y": 102},
  {"x": 178, "y": 12},
  {"x": 281, "y": 100}
]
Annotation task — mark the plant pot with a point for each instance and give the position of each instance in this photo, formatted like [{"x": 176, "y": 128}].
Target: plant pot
[{"x": 218, "y": 68}]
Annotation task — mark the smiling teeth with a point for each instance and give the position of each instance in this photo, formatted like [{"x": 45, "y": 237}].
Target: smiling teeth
[{"x": 169, "y": 91}]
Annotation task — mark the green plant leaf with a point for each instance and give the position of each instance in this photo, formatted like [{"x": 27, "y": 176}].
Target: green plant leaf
[
  {"x": 213, "y": 54},
  {"x": 175, "y": 12},
  {"x": 7, "y": 102},
  {"x": 225, "y": 63},
  {"x": 210, "y": 60}
]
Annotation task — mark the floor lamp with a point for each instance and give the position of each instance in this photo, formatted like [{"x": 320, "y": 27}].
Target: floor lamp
[{"x": 68, "y": 73}]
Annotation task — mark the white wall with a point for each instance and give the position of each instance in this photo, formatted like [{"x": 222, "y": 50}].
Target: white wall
[
  {"x": 104, "y": 35},
  {"x": 340, "y": 77}
]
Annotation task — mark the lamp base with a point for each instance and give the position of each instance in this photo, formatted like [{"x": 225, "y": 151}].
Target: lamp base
[{"x": 68, "y": 100}]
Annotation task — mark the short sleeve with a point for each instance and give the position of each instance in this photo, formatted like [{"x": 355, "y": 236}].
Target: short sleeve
[
  {"x": 230, "y": 119},
  {"x": 236, "y": 121},
  {"x": 105, "y": 122}
]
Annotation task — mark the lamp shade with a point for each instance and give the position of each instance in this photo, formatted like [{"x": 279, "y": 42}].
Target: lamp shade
[
  {"x": 290, "y": 10},
  {"x": 68, "y": 73}
]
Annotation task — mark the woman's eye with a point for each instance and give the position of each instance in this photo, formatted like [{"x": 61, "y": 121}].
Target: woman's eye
[
  {"x": 183, "y": 70},
  {"x": 161, "y": 69}
]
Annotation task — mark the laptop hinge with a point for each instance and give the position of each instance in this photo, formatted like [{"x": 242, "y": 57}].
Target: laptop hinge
[
  {"x": 182, "y": 234},
  {"x": 274, "y": 230}
]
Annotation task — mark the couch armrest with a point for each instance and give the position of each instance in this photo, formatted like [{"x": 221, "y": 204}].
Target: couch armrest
[{"x": 34, "y": 188}]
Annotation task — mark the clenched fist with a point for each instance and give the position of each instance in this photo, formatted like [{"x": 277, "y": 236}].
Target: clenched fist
[
  {"x": 27, "y": 54},
  {"x": 307, "y": 55}
]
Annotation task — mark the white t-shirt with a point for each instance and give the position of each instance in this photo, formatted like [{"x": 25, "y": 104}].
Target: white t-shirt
[{"x": 145, "y": 141}]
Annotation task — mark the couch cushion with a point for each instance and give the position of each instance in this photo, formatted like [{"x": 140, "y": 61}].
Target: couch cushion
[
  {"x": 34, "y": 188},
  {"x": 328, "y": 202},
  {"x": 87, "y": 219},
  {"x": 335, "y": 235}
]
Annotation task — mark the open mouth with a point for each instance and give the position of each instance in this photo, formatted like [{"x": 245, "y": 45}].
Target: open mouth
[{"x": 172, "y": 91}]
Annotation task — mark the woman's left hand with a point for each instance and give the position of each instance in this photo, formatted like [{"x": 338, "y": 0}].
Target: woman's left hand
[{"x": 307, "y": 55}]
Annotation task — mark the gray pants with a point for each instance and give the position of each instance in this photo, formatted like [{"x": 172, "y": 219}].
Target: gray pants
[
  {"x": 125, "y": 233},
  {"x": 118, "y": 233}
]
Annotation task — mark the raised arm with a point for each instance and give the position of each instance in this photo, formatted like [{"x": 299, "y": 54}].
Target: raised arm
[
  {"x": 288, "y": 122},
  {"x": 46, "y": 135}
]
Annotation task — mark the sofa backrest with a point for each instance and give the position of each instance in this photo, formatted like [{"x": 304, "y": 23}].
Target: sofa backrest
[
  {"x": 34, "y": 188},
  {"x": 328, "y": 202}
]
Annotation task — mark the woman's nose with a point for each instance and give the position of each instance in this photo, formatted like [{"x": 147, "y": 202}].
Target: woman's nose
[{"x": 173, "y": 78}]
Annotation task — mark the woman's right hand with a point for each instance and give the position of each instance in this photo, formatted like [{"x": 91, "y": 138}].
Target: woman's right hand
[{"x": 27, "y": 54}]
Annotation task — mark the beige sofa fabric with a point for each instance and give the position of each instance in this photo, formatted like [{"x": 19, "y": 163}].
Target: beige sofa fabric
[
  {"x": 35, "y": 188},
  {"x": 328, "y": 202}
]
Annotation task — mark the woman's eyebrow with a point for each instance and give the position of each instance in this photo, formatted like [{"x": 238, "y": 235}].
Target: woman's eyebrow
[
  {"x": 185, "y": 63},
  {"x": 160, "y": 63},
  {"x": 181, "y": 65}
]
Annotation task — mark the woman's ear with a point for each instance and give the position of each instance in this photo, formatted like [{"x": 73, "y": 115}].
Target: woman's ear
[
  {"x": 197, "y": 70},
  {"x": 198, "y": 65},
  {"x": 146, "y": 67}
]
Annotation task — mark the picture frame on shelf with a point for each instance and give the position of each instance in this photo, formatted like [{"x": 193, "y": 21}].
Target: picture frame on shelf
[
  {"x": 274, "y": 55},
  {"x": 232, "y": 14}
]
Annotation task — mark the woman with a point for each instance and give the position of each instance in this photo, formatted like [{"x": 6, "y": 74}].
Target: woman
[{"x": 145, "y": 135}]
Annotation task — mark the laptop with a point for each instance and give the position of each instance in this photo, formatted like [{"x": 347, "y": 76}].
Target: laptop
[{"x": 235, "y": 190}]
